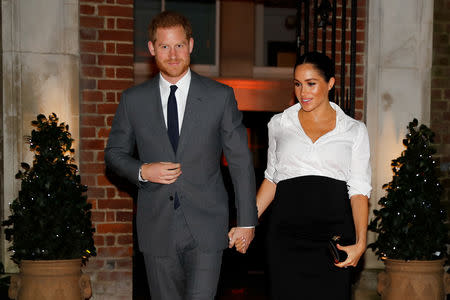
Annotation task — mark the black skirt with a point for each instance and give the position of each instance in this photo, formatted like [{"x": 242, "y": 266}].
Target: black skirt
[{"x": 307, "y": 211}]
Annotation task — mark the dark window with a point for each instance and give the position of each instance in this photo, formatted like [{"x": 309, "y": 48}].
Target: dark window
[{"x": 201, "y": 14}]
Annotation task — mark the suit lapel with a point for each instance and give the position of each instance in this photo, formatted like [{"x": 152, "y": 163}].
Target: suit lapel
[
  {"x": 193, "y": 106},
  {"x": 155, "y": 114}
]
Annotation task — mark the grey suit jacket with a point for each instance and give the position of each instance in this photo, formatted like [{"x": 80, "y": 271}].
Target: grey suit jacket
[{"x": 212, "y": 124}]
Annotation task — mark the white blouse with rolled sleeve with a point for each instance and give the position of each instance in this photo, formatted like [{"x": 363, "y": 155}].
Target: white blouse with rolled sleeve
[{"x": 342, "y": 154}]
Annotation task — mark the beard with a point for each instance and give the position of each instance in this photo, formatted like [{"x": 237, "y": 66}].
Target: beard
[{"x": 173, "y": 71}]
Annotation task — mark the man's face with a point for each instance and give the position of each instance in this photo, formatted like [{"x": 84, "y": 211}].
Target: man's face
[{"x": 172, "y": 52}]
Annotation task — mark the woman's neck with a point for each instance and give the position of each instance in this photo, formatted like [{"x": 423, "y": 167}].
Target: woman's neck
[{"x": 321, "y": 113}]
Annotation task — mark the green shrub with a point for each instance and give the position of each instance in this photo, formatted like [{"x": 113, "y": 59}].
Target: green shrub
[
  {"x": 411, "y": 223},
  {"x": 51, "y": 218}
]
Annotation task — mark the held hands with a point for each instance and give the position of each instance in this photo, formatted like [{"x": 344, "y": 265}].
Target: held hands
[
  {"x": 241, "y": 238},
  {"x": 354, "y": 253},
  {"x": 161, "y": 172}
]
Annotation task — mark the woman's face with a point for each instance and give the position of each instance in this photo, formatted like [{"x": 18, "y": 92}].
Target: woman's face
[{"x": 310, "y": 87}]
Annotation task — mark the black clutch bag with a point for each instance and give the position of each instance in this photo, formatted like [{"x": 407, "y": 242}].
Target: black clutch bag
[{"x": 336, "y": 254}]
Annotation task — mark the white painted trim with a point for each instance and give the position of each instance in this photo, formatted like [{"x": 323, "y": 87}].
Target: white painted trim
[
  {"x": 141, "y": 70},
  {"x": 272, "y": 72},
  {"x": 206, "y": 70}
]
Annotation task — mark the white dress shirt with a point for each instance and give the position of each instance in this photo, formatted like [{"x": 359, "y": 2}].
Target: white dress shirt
[
  {"x": 181, "y": 94},
  {"x": 342, "y": 153}
]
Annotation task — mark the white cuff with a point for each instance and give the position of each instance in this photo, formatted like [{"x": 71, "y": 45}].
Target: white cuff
[{"x": 140, "y": 177}]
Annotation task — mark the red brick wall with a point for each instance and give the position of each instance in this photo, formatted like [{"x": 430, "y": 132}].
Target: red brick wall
[
  {"x": 360, "y": 51},
  {"x": 360, "y": 56},
  {"x": 106, "y": 53},
  {"x": 440, "y": 91}
]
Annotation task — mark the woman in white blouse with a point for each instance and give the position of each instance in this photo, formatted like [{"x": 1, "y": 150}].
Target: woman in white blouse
[{"x": 318, "y": 178}]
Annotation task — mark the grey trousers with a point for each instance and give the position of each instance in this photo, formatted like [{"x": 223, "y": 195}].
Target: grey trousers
[{"x": 188, "y": 272}]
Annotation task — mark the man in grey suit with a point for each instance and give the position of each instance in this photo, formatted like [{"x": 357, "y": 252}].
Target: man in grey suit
[{"x": 180, "y": 123}]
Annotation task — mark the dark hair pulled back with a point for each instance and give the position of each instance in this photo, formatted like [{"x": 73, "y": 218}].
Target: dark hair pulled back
[{"x": 320, "y": 61}]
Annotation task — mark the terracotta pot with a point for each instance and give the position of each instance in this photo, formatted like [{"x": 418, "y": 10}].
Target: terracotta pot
[
  {"x": 413, "y": 280},
  {"x": 50, "y": 280}
]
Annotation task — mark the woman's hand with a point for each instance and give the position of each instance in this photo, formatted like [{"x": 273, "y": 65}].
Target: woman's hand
[
  {"x": 354, "y": 253},
  {"x": 360, "y": 211},
  {"x": 241, "y": 245},
  {"x": 240, "y": 237}
]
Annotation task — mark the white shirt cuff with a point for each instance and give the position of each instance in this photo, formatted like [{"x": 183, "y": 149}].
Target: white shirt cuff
[{"x": 140, "y": 177}]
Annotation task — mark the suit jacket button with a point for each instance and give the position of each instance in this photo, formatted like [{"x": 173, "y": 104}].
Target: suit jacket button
[{"x": 171, "y": 198}]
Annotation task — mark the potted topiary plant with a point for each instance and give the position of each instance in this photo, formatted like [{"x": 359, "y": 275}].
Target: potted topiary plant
[
  {"x": 411, "y": 224},
  {"x": 50, "y": 224}
]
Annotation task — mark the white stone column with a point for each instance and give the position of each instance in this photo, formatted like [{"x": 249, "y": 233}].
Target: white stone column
[
  {"x": 40, "y": 63},
  {"x": 398, "y": 64}
]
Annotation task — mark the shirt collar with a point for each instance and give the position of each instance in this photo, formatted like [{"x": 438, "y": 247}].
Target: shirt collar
[
  {"x": 182, "y": 84},
  {"x": 340, "y": 114},
  {"x": 292, "y": 112}
]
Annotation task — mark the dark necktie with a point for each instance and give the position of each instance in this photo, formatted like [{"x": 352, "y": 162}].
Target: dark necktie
[
  {"x": 172, "y": 128},
  {"x": 172, "y": 118}
]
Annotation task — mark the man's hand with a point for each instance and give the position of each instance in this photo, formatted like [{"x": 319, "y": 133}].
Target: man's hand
[
  {"x": 241, "y": 237},
  {"x": 161, "y": 172}
]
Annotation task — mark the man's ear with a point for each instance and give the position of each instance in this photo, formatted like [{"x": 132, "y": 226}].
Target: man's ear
[
  {"x": 151, "y": 48},
  {"x": 191, "y": 45}
]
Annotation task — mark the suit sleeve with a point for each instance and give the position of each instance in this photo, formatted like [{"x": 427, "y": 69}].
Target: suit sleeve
[
  {"x": 121, "y": 144},
  {"x": 240, "y": 162}
]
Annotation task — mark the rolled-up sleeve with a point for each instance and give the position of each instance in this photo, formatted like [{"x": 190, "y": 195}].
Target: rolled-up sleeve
[
  {"x": 271, "y": 158},
  {"x": 360, "y": 170}
]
